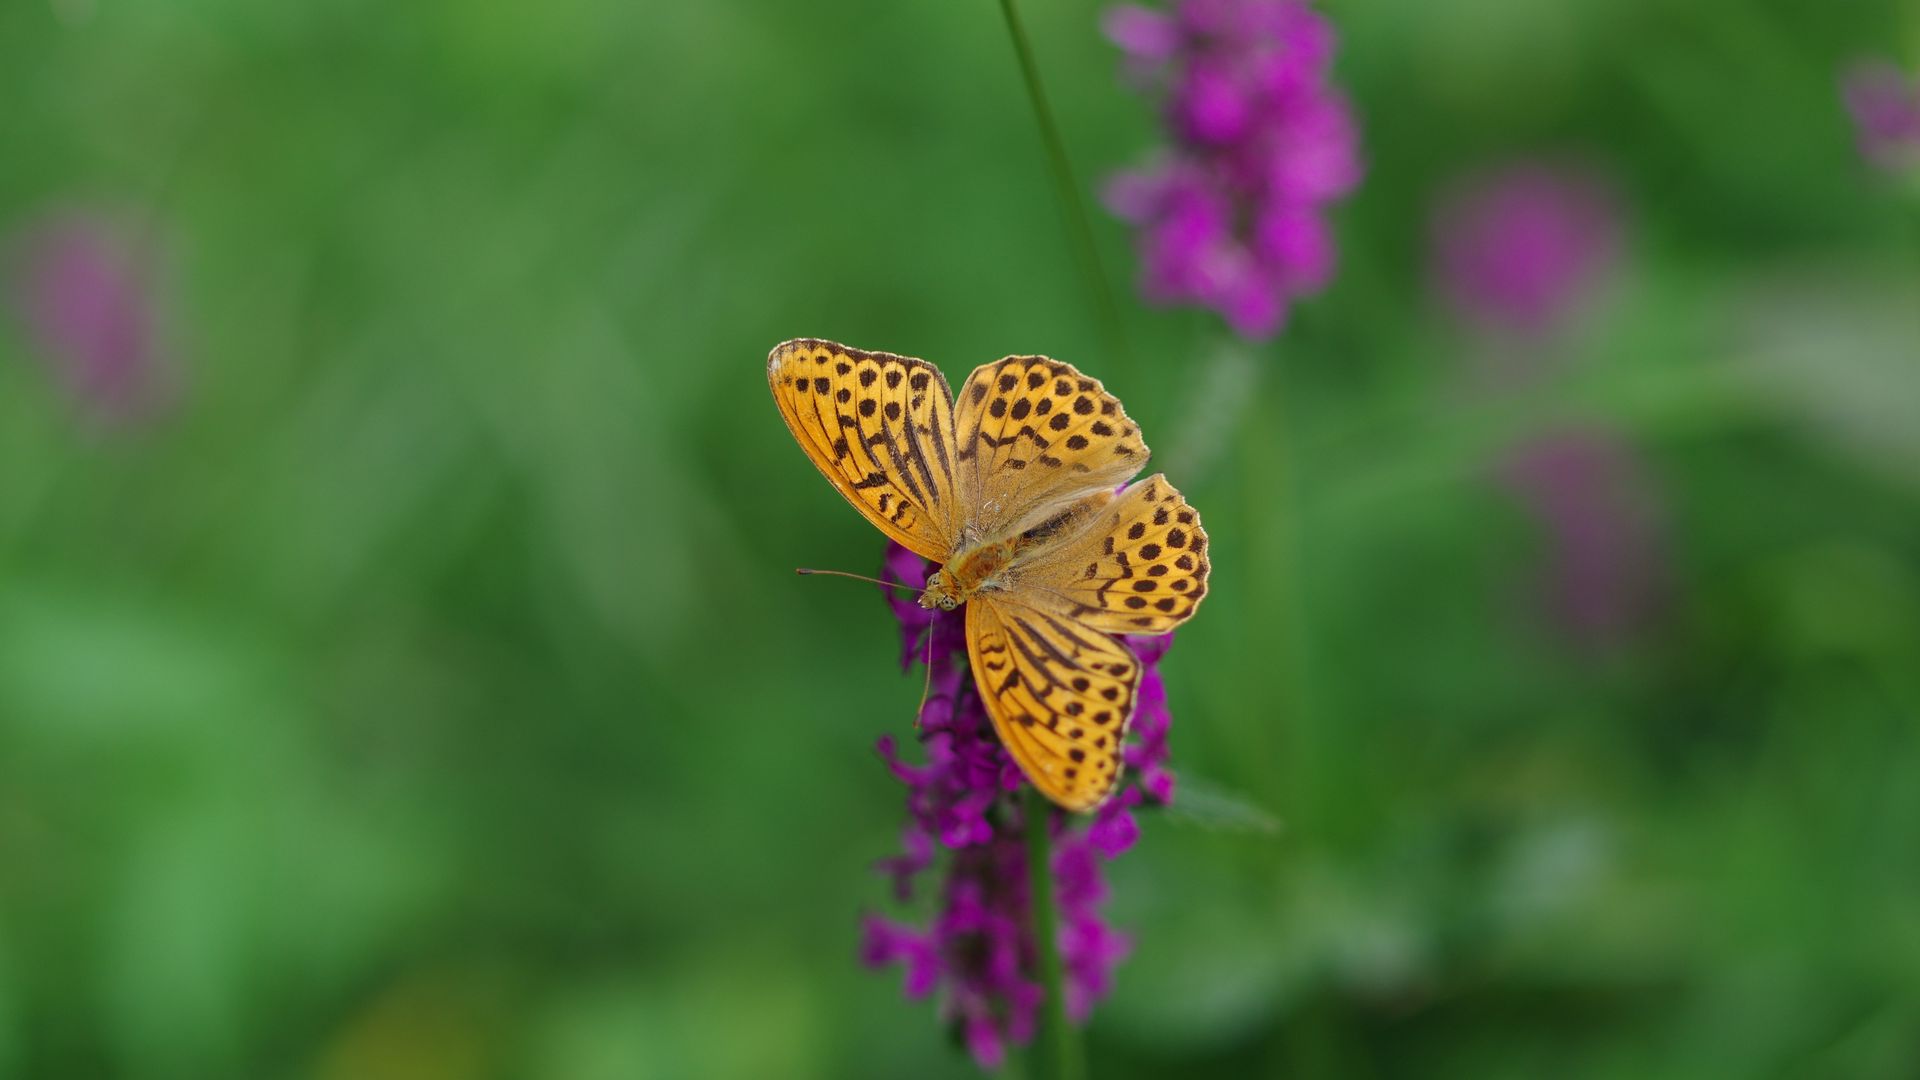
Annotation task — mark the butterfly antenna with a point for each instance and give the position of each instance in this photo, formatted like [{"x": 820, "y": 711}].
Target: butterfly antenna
[
  {"x": 859, "y": 577},
  {"x": 926, "y": 689}
]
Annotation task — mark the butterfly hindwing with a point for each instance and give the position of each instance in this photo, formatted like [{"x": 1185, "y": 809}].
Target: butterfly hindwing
[
  {"x": 1033, "y": 436},
  {"x": 1138, "y": 566},
  {"x": 880, "y": 427},
  {"x": 1060, "y": 696}
]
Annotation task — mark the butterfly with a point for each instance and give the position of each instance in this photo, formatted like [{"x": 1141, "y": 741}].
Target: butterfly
[{"x": 1011, "y": 488}]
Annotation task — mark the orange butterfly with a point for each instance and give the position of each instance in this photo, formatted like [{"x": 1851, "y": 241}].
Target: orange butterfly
[{"x": 1011, "y": 489}]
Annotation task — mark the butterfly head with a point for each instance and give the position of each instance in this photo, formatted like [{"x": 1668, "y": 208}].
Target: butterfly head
[{"x": 940, "y": 593}]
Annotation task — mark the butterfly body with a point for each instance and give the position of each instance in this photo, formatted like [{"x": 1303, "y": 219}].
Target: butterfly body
[
  {"x": 967, "y": 573},
  {"x": 1010, "y": 486}
]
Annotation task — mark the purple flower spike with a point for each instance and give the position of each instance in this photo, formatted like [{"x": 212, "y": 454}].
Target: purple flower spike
[
  {"x": 1232, "y": 216},
  {"x": 1885, "y": 105},
  {"x": 978, "y": 949},
  {"x": 83, "y": 290},
  {"x": 1517, "y": 250},
  {"x": 1586, "y": 489}
]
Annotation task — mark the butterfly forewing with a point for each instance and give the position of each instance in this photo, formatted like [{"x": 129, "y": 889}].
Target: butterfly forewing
[
  {"x": 1060, "y": 696},
  {"x": 1033, "y": 436},
  {"x": 1138, "y": 566},
  {"x": 880, "y": 427}
]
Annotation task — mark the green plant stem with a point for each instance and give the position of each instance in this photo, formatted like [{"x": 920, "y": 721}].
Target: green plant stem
[
  {"x": 1074, "y": 211},
  {"x": 1057, "y": 1050}
]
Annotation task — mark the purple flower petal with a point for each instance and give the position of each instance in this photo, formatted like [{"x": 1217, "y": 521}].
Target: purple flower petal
[
  {"x": 983, "y": 1041},
  {"x": 1114, "y": 830},
  {"x": 885, "y": 943}
]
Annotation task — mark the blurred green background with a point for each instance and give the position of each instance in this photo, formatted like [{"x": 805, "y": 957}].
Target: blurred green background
[{"x": 422, "y": 689}]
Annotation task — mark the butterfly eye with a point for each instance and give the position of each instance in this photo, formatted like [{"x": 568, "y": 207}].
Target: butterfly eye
[{"x": 947, "y": 603}]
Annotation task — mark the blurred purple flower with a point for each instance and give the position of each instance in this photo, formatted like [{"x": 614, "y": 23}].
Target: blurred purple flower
[
  {"x": 1884, "y": 102},
  {"x": 1233, "y": 215},
  {"x": 1591, "y": 498},
  {"x": 979, "y": 946},
  {"x": 1518, "y": 249},
  {"x": 83, "y": 290}
]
